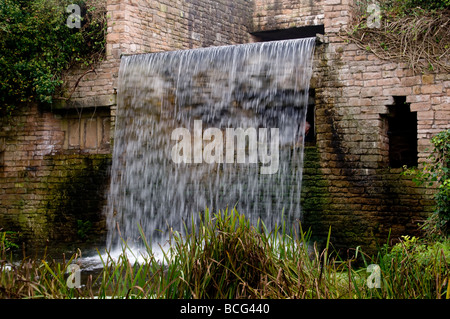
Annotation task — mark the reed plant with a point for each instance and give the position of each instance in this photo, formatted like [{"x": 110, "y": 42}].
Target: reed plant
[
  {"x": 414, "y": 268},
  {"x": 35, "y": 278}
]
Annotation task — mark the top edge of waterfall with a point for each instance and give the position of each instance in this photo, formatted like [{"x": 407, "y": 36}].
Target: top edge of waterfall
[{"x": 221, "y": 46}]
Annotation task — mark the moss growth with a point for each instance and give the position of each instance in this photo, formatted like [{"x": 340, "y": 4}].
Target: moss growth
[
  {"x": 315, "y": 197},
  {"x": 74, "y": 211}
]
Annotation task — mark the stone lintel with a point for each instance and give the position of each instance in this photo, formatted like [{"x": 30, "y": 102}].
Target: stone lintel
[{"x": 87, "y": 102}]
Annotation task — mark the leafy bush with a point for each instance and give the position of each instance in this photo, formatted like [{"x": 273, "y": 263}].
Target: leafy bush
[
  {"x": 407, "y": 5},
  {"x": 36, "y": 45},
  {"x": 7, "y": 240},
  {"x": 416, "y": 268},
  {"x": 440, "y": 172},
  {"x": 420, "y": 251},
  {"x": 83, "y": 228}
]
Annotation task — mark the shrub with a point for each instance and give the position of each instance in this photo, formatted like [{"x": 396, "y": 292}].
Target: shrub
[
  {"x": 416, "y": 268},
  {"x": 407, "y": 5},
  {"x": 7, "y": 240},
  {"x": 36, "y": 46}
]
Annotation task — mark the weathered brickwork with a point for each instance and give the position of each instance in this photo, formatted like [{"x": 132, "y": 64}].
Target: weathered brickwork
[
  {"x": 54, "y": 163},
  {"x": 284, "y": 14},
  {"x": 360, "y": 195},
  {"x": 349, "y": 183},
  {"x": 47, "y": 184},
  {"x": 153, "y": 26}
]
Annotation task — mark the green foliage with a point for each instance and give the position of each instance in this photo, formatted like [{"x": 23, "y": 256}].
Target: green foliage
[
  {"x": 421, "y": 252},
  {"x": 36, "y": 46},
  {"x": 83, "y": 228},
  {"x": 416, "y": 268},
  {"x": 409, "y": 5},
  {"x": 224, "y": 256},
  {"x": 437, "y": 171},
  {"x": 7, "y": 240}
]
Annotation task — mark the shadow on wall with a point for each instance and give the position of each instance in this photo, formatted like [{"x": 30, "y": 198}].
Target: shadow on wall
[{"x": 76, "y": 196}]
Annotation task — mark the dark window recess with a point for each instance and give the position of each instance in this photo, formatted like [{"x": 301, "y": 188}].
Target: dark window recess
[
  {"x": 291, "y": 33},
  {"x": 310, "y": 137},
  {"x": 2, "y": 152},
  {"x": 402, "y": 134}
]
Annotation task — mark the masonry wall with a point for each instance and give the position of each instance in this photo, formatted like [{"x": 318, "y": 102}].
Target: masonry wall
[
  {"x": 54, "y": 162},
  {"x": 153, "y": 26},
  {"x": 348, "y": 183},
  {"x": 53, "y": 174},
  {"x": 353, "y": 188},
  {"x": 284, "y": 14}
]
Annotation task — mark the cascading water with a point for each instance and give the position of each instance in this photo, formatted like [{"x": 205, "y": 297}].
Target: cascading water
[{"x": 249, "y": 86}]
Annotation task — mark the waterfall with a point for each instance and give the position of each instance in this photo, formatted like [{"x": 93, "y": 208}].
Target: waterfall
[{"x": 258, "y": 91}]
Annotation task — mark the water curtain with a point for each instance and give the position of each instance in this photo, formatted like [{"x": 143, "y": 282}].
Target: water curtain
[{"x": 196, "y": 129}]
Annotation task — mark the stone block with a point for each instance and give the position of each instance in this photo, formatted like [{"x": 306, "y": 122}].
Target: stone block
[
  {"x": 425, "y": 115},
  {"x": 420, "y": 106},
  {"x": 388, "y": 82},
  {"x": 427, "y": 79},
  {"x": 417, "y": 98},
  {"x": 442, "y": 115},
  {"x": 370, "y": 91},
  {"x": 429, "y": 89},
  {"x": 400, "y": 91},
  {"x": 90, "y": 134},
  {"x": 410, "y": 81}
]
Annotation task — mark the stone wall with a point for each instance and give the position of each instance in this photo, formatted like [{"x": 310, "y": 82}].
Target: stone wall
[
  {"x": 147, "y": 26},
  {"x": 349, "y": 182},
  {"x": 285, "y": 14},
  {"x": 53, "y": 174},
  {"x": 354, "y": 188}
]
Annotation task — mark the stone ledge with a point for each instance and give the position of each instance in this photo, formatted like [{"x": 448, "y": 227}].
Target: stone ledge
[{"x": 88, "y": 102}]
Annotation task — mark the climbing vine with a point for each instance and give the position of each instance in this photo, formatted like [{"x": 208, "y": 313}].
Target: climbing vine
[
  {"x": 37, "y": 45},
  {"x": 413, "y": 31}
]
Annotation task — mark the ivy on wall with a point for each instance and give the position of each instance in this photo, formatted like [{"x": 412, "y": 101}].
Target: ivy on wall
[{"x": 37, "y": 44}]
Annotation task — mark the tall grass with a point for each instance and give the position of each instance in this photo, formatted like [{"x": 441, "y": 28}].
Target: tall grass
[
  {"x": 225, "y": 256},
  {"x": 413, "y": 269}
]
